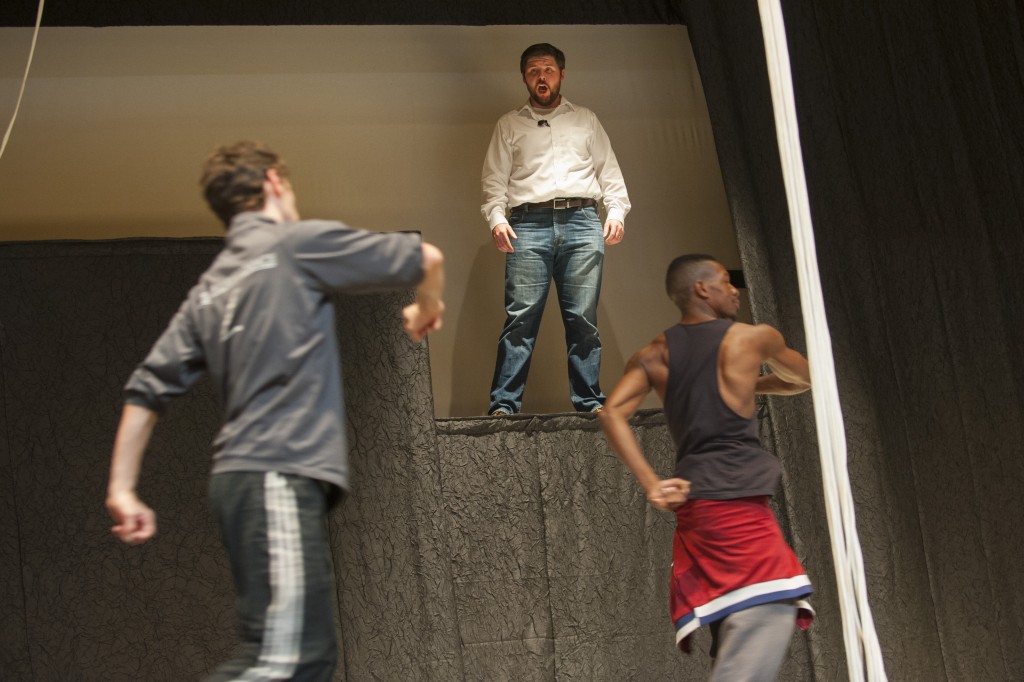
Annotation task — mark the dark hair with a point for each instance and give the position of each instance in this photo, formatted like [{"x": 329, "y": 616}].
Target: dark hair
[
  {"x": 233, "y": 176},
  {"x": 541, "y": 50},
  {"x": 682, "y": 273}
]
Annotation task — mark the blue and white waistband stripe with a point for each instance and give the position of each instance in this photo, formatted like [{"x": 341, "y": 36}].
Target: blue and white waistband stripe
[{"x": 744, "y": 598}]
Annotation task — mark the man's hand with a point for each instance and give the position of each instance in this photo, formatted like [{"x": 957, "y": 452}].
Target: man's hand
[
  {"x": 614, "y": 231},
  {"x": 668, "y": 494},
  {"x": 503, "y": 235},
  {"x": 134, "y": 521},
  {"x": 419, "y": 322},
  {"x": 424, "y": 316}
]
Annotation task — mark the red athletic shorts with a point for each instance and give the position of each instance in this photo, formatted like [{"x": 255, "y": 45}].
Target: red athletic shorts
[{"x": 729, "y": 555}]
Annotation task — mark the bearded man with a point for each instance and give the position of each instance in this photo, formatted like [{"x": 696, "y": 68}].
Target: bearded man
[{"x": 548, "y": 174}]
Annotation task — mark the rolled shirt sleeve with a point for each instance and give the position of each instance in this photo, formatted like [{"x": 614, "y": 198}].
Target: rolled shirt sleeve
[
  {"x": 609, "y": 175},
  {"x": 495, "y": 176}
]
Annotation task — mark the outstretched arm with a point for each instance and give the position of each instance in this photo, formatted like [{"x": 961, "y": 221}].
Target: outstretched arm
[
  {"x": 134, "y": 521},
  {"x": 772, "y": 384},
  {"x": 790, "y": 371},
  {"x": 622, "y": 404},
  {"x": 424, "y": 316}
]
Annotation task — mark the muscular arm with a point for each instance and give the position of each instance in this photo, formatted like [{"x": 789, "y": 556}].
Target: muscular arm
[
  {"x": 622, "y": 404},
  {"x": 790, "y": 371},
  {"x": 772, "y": 384},
  {"x": 134, "y": 521},
  {"x": 424, "y": 316}
]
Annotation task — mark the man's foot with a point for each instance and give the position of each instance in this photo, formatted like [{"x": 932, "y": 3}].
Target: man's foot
[
  {"x": 501, "y": 413},
  {"x": 598, "y": 409}
]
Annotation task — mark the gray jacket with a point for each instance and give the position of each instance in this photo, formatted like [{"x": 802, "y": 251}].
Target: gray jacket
[{"x": 260, "y": 321}]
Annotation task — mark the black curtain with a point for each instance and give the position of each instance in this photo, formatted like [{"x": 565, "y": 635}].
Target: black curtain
[
  {"x": 272, "y": 13},
  {"x": 910, "y": 116}
]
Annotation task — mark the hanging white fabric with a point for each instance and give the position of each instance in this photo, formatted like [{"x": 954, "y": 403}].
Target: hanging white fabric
[
  {"x": 24, "y": 79},
  {"x": 862, "y": 649}
]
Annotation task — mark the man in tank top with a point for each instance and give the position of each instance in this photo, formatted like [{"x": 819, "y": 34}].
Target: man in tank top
[{"x": 732, "y": 569}]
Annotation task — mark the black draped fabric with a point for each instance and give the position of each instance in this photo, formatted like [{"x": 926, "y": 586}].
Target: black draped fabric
[
  {"x": 272, "y": 13},
  {"x": 74, "y": 320},
  {"x": 910, "y": 116}
]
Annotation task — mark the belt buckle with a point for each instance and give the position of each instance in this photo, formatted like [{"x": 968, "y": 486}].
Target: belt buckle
[{"x": 555, "y": 203}]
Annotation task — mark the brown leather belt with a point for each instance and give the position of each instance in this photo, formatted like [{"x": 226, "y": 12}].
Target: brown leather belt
[{"x": 571, "y": 202}]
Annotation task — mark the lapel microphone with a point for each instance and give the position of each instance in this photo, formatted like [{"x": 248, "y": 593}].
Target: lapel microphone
[{"x": 543, "y": 124}]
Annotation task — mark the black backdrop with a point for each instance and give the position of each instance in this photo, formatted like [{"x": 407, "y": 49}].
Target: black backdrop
[{"x": 910, "y": 116}]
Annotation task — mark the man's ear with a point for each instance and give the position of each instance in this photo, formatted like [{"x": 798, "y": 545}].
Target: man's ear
[
  {"x": 273, "y": 185},
  {"x": 701, "y": 289}
]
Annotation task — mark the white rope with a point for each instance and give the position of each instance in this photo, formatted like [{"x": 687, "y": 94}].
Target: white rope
[
  {"x": 862, "y": 648},
  {"x": 24, "y": 79}
]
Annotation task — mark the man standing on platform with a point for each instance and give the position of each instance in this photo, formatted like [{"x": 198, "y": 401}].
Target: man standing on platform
[
  {"x": 731, "y": 569},
  {"x": 260, "y": 321},
  {"x": 548, "y": 169}
]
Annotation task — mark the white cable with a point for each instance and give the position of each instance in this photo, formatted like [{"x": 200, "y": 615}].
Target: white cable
[
  {"x": 24, "y": 79},
  {"x": 862, "y": 648}
]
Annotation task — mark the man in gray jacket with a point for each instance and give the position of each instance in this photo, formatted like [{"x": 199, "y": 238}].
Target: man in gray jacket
[{"x": 261, "y": 323}]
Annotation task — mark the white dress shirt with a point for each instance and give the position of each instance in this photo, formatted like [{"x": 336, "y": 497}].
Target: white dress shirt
[{"x": 570, "y": 156}]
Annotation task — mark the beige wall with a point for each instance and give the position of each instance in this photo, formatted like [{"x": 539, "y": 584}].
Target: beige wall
[{"x": 385, "y": 128}]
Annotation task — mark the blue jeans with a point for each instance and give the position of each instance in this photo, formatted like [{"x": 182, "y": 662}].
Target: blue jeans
[{"x": 567, "y": 246}]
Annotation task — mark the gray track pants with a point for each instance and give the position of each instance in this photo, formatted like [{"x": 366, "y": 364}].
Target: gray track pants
[
  {"x": 274, "y": 529},
  {"x": 752, "y": 643}
]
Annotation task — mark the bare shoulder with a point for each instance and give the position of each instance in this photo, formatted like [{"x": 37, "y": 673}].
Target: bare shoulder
[
  {"x": 745, "y": 342},
  {"x": 651, "y": 356},
  {"x": 755, "y": 329},
  {"x": 760, "y": 333},
  {"x": 654, "y": 351},
  {"x": 651, "y": 363}
]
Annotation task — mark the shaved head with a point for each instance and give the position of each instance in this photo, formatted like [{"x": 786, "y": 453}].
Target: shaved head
[{"x": 683, "y": 273}]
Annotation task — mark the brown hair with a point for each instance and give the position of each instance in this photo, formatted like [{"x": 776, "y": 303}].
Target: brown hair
[
  {"x": 541, "y": 50},
  {"x": 233, "y": 176}
]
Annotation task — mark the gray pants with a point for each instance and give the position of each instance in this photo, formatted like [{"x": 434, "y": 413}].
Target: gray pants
[
  {"x": 274, "y": 529},
  {"x": 752, "y": 643}
]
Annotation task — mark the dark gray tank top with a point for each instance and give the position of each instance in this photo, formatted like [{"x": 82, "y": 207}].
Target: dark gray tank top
[{"x": 717, "y": 450}]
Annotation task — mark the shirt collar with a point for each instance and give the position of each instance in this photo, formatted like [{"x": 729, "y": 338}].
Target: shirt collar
[
  {"x": 247, "y": 219},
  {"x": 527, "y": 111}
]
